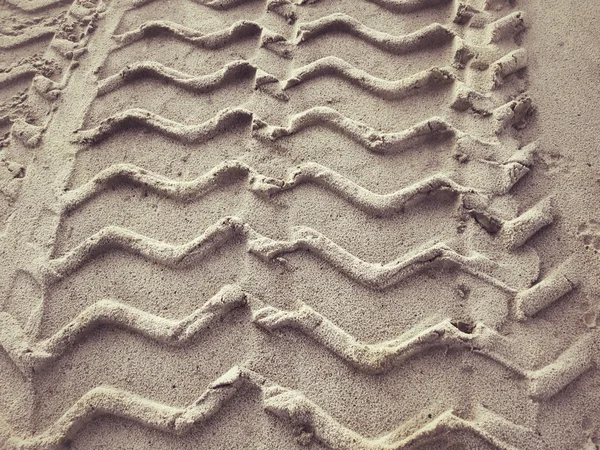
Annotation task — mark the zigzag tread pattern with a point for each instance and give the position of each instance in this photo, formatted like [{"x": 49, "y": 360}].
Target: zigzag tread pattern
[
  {"x": 486, "y": 57},
  {"x": 427, "y": 37},
  {"x": 373, "y": 275},
  {"x": 306, "y": 173},
  {"x": 543, "y": 383},
  {"x": 27, "y": 37},
  {"x": 318, "y": 116},
  {"x": 291, "y": 406},
  {"x": 381, "y": 357},
  {"x": 32, "y": 357},
  {"x": 329, "y": 65}
]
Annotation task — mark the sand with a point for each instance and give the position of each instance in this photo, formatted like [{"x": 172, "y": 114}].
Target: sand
[{"x": 285, "y": 224}]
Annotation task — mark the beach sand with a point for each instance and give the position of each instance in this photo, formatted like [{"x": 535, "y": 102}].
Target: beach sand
[{"x": 285, "y": 224}]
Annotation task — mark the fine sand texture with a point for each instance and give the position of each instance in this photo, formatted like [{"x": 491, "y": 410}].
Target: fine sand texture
[{"x": 287, "y": 224}]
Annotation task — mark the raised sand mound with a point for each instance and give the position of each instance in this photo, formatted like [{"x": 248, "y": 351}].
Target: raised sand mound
[{"x": 327, "y": 224}]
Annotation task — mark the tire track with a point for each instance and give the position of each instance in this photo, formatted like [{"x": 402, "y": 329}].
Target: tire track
[
  {"x": 286, "y": 404},
  {"x": 373, "y": 275},
  {"x": 428, "y": 37},
  {"x": 382, "y": 357},
  {"x": 32, "y": 357},
  {"x": 238, "y": 31},
  {"x": 480, "y": 81},
  {"x": 306, "y": 173},
  {"x": 370, "y": 138}
]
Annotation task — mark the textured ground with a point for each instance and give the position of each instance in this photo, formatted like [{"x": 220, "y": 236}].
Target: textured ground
[{"x": 333, "y": 224}]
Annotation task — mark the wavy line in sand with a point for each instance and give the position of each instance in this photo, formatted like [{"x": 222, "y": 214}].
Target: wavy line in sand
[
  {"x": 377, "y": 204},
  {"x": 224, "y": 173},
  {"x": 313, "y": 173},
  {"x": 30, "y": 36},
  {"x": 238, "y": 31},
  {"x": 368, "y": 137},
  {"x": 117, "y": 238},
  {"x": 31, "y": 357},
  {"x": 232, "y": 171},
  {"x": 286, "y": 404},
  {"x": 431, "y": 36},
  {"x": 391, "y": 90},
  {"x": 376, "y": 358},
  {"x": 376, "y": 275},
  {"x": 370, "y": 358},
  {"x": 102, "y": 401},
  {"x": 232, "y": 71},
  {"x": 223, "y": 121},
  {"x": 17, "y": 73},
  {"x": 329, "y": 65},
  {"x": 384, "y": 356},
  {"x": 293, "y": 406},
  {"x": 213, "y": 40},
  {"x": 373, "y": 275},
  {"x": 36, "y": 5}
]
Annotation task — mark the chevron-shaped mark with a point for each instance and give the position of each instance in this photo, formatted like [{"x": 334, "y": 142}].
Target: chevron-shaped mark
[
  {"x": 307, "y": 173},
  {"x": 238, "y": 31},
  {"x": 391, "y": 90},
  {"x": 368, "y": 137},
  {"x": 381, "y": 357},
  {"x": 222, "y": 122},
  {"x": 372, "y": 275},
  {"x": 433, "y": 35},
  {"x": 286, "y": 404},
  {"x": 31, "y": 357},
  {"x": 233, "y": 71}
]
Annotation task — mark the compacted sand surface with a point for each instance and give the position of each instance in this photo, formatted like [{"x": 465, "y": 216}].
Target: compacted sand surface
[{"x": 285, "y": 224}]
